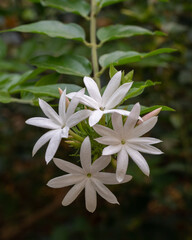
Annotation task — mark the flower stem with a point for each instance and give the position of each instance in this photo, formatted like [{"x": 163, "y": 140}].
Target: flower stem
[
  {"x": 76, "y": 136},
  {"x": 93, "y": 42}
]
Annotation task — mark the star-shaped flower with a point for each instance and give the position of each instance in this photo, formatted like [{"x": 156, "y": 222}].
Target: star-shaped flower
[
  {"x": 126, "y": 140},
  {"x": 58, "y": 123},
  {"x": 88, "y": 177},
  {"x": 112, "y": 96}
]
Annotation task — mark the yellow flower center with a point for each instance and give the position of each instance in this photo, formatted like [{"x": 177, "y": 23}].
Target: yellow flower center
[
  {"x": 123, "y": 141},
  {"x": 88, "y": 175}
]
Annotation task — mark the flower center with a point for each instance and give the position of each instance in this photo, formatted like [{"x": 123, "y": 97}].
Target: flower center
[
  {"x": 123, "y": 141},
  {"x": 88, "y": 175},
  {"x": 102, "y": 108}
]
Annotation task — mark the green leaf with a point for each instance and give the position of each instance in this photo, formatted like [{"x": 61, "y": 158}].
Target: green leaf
[
  {"x": 128, "y": 77},
  {"x": 79, "y": 7},
  {"x": 3, "y": 48},
  {"x": 47, "y": 90},
  {"x": 112, "y": 71},
  {"x": 53, "y": 28},
  {"x": 65, "y": 64},
  {"x": 104, "y": 3},
  {"x": 120, "y": 57},
  {"x": 122, "y": 31},
  {"x": 145, "y": 110},
  {"x": 138, "y": 87},
  {"x": 48, "y": 79},
  {"x": 4, "y": 97}
]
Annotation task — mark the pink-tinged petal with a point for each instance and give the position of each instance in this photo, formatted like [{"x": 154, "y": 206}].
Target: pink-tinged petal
[
  {"x": 90, "y": 197},
  {"x": 117, "y": 123},
  {"x": 42, "y": 122},
  {"x": 111, "y": 88},
  {"x": 65, "y": 132},
  {"x": 68, "y": 166},
  {"x": 146, "y": 140},
  {"x": 92, "y": 89},
  {"x": 85, "y": 155},
  {"x": 73, "y": 193},
  {"x": 122, "y": 163},
  {"x": 95, "y": 117},
  {"x": 90, "y": 102},
  {"x": 103, "y": 191},
  {"x": 42, "y": 140},
  {"x": 144, "y": 127},
  {"x": 132, "y": 119},
  {"x": 65, "y": 180},
  {"x": 118, "y": 96},
  {"x": 77, "y": 117},
  {"x": 62, "y": 106},
  {"x": 74, "y": 102},
  {"x": 105, "y": 131},
  {"x": 112, "y": 149},
  {"x": 145, "y": 148},
  {"x": 110, "y": 178},
  {"x": 139, "y": 160},
  {"x": 108, "y": 140},
  {"x": 53, "y": 146},
  {"x": 100, "y": 163},
  {"x": 49, "y": 111}
]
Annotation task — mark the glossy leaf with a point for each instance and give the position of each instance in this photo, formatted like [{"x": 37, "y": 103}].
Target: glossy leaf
[
  {"x": 47, "y": 90},
  {"x": 79, "y": 7},
  {"x": 121, "y": 57},
  {"x": 53, "y": 28},
  {"x": 104, "y": 3},
  {"x": 65, "y": 64},
  {"x": 122, "y": 31}
]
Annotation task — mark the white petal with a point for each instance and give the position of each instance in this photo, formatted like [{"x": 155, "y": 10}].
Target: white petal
[
  {"x": 111, "y": 87},
  {"x": 108, "y": 140},
  {"x": 42, "y": 122},
  {"x": 92, "y": 89},
  {"x": 65, "y": 180},
  {"x": 144, "y": 127},
  {"x": 74, "y": 102},
  {"x": 42, "y": 140},
  {"x": 85, "y": 155},
  {"x": 132, "y": 119},
  {"x": 90, "y": 102},
  {"x": 95, "y": 116},
  {"x": 49, "y": 111},
  {"x": 71, "y": 95},
  {"x": 139, "y": 160},
  {"x": 117, "y": 122},
  {"x": 103, "y": 191},
  {"x": 122, "y": 163},
  {"x": 68, "y": 166},
  {"x": 100, "y": 163},
  {"x": 118, "y": 95},
  {"x": 53, "y": 146},
  {"x": 65, "y": 132},
  {"x": 73, "y": 193},
  {"x": 145, "y": 148},
  {"x": 112, "y": 149},
  {"x": 105, "y": 131},
  {"x": 62, "y": 106},
  {"x": 119, "y": 111},
  {"x": 147, "y": 140},
  {"x": 110, "y": 178},
  {"x": 77, "y": 117},
  {"x": 90, "y": 197}
]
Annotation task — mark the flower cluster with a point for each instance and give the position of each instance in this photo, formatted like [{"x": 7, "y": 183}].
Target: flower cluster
[{"x": 121, "y": 133}]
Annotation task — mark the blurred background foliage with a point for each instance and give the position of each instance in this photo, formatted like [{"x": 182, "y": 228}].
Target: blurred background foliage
[{"x": 159, "y": 207}]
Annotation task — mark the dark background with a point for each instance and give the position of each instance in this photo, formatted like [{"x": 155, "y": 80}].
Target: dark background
[{"x": 158, "y": 207}]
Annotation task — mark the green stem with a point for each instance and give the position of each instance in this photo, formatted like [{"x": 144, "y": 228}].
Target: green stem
[
  {"x": 76, "y": 136},
  {"x": 25, "y": 101},
  {"x": 93, "y": 42}
]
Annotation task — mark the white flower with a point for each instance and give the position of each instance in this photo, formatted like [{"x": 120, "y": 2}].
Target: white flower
[
  {"x": 127, "y": 141},
  {"x": 58, "y": 123},
  {"x": 88, "y": 177},
  {"x": 112, "y": 96}
]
